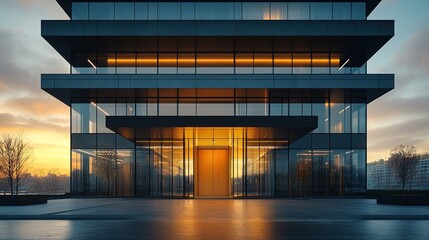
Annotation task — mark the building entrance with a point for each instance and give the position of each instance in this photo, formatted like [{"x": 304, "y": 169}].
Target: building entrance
[{"x": 212, "y": 173}]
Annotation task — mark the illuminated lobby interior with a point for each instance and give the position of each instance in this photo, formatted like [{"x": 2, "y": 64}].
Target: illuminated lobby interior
[{"x": 218, "y": 99}]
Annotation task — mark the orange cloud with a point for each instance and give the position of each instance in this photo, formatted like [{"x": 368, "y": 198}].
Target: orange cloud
[{"x": 40, "y": 106}]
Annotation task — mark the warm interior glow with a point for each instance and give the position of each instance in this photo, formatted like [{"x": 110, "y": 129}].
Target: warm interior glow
[
  {"x": 275, "y": 15},
  {"x": 222, "y": 62}
]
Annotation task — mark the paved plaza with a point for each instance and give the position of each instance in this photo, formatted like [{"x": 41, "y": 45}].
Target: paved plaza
[{"x": 134, "y": 218}]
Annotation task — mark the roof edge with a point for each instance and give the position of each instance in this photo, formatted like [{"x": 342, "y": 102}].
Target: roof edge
[
  {"x": 66, "y": 6},
  {"x": 370, "y": 4}
]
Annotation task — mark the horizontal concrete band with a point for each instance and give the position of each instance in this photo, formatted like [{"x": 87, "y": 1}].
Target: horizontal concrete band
[
  {"x": 65, "y": 86},
  {"x": 280, "y": 122},
  {"x": 323, "y": 81},
  {"x": 281, "y": 127},
  {"x": 357, "y": 39},
  {"x": 218, "y": 28}
]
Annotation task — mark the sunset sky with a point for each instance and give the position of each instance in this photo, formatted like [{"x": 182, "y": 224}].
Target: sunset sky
[{"x": 401, "y": 116}]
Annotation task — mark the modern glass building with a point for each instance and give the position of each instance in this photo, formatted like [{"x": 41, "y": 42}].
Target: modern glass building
[{"x": 226, "y": 98}]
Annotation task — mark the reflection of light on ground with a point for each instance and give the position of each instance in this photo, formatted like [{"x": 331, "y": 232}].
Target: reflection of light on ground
[
  {"x": 31, "y": 229},
  {"x": 113, "y": 218},
  {"x": 192, "y": 221}
]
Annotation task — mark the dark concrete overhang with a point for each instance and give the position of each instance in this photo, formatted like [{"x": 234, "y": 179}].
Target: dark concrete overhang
[
  {"x": 366, "y": 87},
  {"x": 354, "y": 40},
  {"x": 274, "y": 127},
  {"x": 370, "y": 4}
]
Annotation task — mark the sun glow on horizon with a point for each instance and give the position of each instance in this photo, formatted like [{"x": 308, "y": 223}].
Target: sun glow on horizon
[{"x": 51, "y": 149}]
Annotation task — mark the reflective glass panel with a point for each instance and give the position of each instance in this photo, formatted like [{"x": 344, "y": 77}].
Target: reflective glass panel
[
  {"x": 321, "y": 11},
  {"x": 188, "y": 11},
  {"x": 342, "y": 11},
  {"x": 299, "y": 11},
  {"x": 124, "y": 11},
  {"x": 337, "y": 117},
  {"x": 358, "y": 118},
  {"x": 79, "y": 11},
  {"x": 152, "y": 10},
  {"x": 337, "y": 172},
  {"x": 104, "y": 110},
  {"x": 300, "y": 164},
  {"x": 278, "y": 11},
  {"x": 358, "y": 171},
  {"x": 256, "y": 11},
  {"x": 83, "y": 119},
  {"x": 321, "y": 110},
  {"x": 168, "y": 11},
  {"x": 214, "y": 11},
  {"x": 358, "y": 11},
  {"x": 141, "y": 11},
  {"x": 101, "y": 11}
]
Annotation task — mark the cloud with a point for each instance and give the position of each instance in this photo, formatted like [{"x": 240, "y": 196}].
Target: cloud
[
  {"x": 12, "y": 75},
  {"x": 413, "y": 55},
  {"x": 20, "y": 65},
  {"x": 411, "y": 64},
  {"x": 411, "y": 131},
  {"x": 10, "y": 121},
  {"x": 38, "y": 105},
  {"x": 43, "y": 6},
  {"x": 402, "y": 115},
  {"x": 24, "y": 56},
  {"x": 392, "y": 108}
]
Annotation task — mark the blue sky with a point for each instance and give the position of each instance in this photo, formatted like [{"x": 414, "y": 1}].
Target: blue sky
[{"x": 401, "y": 116}]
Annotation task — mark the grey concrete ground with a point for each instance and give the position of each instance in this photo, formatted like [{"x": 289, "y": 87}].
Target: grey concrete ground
[{"x": 115, "y": 218}]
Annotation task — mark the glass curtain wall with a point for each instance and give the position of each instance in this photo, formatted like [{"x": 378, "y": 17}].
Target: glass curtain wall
[
  {"x": 218, "y": 11},
  {"x": 106, "y": 164},
  {"x": 166, "y": 169},
  {"x": 332, "y": 117}
]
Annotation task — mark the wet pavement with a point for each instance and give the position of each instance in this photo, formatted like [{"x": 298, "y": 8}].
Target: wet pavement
[{"x": 134, "y": 218}]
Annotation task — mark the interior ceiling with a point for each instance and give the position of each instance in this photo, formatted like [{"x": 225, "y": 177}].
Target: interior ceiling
[{"x": 86, "y": 95}]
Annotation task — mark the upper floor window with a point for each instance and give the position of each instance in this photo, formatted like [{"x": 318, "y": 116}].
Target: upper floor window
[
  {"x": 101, "y": 11},
  {"x": 214, "y": 63},
  {"x": 219, "y": 11}
]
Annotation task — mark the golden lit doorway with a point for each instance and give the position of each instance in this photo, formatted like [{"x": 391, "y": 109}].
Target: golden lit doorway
[{"x": 213, "y": 172}]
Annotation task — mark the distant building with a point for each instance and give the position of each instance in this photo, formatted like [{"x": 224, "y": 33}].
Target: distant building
[{"x": 381, "y": 177}]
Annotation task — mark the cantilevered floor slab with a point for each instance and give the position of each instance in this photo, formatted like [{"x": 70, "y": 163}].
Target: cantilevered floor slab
[
  {"x": 263, "y": 127},
  {"x": 90, "y": 86},
  {"x": 357, "y": 40}
]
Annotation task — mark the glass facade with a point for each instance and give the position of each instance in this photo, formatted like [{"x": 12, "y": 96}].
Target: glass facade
[
  {"x": 315, "y": 147},
  {"x": 162, "y": 163},
  {"x": 218, "y": 11},
  {"x": 165, "y": 166},
  {"x": 332, "y": 117}
]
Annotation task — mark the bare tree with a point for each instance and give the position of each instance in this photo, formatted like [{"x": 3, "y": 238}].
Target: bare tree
[
  {"x": 107, "y": 163},
  {"x": 15, "y": 158},
  {"x": 403, "y": 163}
]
